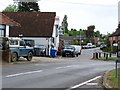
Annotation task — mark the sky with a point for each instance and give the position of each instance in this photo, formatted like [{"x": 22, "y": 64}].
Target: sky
[{"x": 81, "y": 13}]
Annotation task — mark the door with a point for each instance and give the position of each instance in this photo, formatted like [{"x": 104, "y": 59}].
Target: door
[{"x": 22, "y": 49}]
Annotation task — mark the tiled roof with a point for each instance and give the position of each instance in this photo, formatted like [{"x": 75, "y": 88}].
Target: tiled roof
[
  {"x": 33, "y": 24},
  {"x": 117, "y": 32},
  {"x": 7, "y": 21}
]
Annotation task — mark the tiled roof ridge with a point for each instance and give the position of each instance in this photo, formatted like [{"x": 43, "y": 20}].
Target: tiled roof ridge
[
  {"x": 42, "y": 22},
  {"x": 17, "y": 24}
]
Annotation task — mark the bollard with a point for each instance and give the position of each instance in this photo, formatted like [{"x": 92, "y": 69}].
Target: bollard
[
  {"x": 96, "y": 55},
  {"x": 110, "y": 54},
  {"x": 99, "y": 55},
  {"x": 93, "y": 55},
  {"x": 106, "y": 56}
]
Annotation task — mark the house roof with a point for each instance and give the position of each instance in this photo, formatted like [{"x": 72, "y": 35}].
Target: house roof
[
  {"x": 7, "y": 21},
  {"x": 33, "y": 24},
  {"x": 117, "y": 32}
]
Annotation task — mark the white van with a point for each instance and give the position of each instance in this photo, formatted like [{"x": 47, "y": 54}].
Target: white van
[{"x": 78, "y": 49}]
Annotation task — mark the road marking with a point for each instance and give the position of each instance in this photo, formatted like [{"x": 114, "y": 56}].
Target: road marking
[
  {"x": 36, "y": 64},
  {"x": 67, "y": 66},
  {"x": 81, "y": 84},
  {"x": 91, "y": 84},
  {"x": 59, "y": 67},
  {"x": 13, "y": 75}
]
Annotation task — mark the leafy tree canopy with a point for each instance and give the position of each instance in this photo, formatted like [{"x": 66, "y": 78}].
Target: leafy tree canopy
[
  {"x": 90, "y": 31},
  {"x": 11, "y": 8},
  {"x": 28, "y": 7},
  {"x": 65, "y": 24}
]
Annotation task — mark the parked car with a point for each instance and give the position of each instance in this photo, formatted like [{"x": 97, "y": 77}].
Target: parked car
[
  {"x": 78, "y": 49},
  {"x": 40, "y": 50},
  {"x": 29, "y": 42},
  {"x": 103, "y": 46},
  {"x": 69, "y": 50},
  {"x": 18, "y": 48},
  {"x": 89, "y": 45}
]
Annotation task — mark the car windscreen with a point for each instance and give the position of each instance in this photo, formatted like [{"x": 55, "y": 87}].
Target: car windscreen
[
  {"x": 68, "y": 47},
  {"x": 40, "y": 46}
]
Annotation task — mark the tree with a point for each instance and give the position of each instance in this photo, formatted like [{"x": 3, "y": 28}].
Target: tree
[
  {"x": 65, "y": 24},
  {"x": 11, "y": 8},
  {"x": 90, "y": 33},
  {"x": 97, "y": 34},
  {"x": 28, "y": 7}
]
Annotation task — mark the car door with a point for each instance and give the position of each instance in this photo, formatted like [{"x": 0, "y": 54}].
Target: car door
[{"x": 22, "y": 48}]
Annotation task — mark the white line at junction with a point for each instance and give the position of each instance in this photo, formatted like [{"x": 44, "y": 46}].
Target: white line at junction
[
  {"x": 81, "y": 84},
  {"x": 14, "y": 75}
]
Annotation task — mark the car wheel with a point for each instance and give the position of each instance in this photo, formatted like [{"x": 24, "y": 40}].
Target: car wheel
[
  {"x": 73, "y": 55},
  {"x": 29, "y": 56},
  {"x": 14, "y": 57},
  {"x": 77, "y": 55}
]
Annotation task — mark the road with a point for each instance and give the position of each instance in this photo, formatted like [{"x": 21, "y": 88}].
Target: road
[{"x": 64, "y": 73}]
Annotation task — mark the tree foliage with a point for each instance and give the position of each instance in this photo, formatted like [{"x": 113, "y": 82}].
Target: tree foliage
[
  {"x": 65, "y": 24},
  {"x": 90, "y": 31},
  {"x": 28, "y": 7},
  {"x": 97, "y": 34},
  {"x": 11, "y": 8}
]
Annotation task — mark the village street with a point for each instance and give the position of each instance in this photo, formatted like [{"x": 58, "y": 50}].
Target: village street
[{"x": 60, "y": 72}]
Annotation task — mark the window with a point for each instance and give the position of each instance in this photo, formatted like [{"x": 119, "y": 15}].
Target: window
[
  {"x": 13, "y": 42},
  {"x": 1, "y": 33},
  {"x": 56, "y": 30},
  {"x": 2, "y": 30},
  {"x": 22, "y": 43}
]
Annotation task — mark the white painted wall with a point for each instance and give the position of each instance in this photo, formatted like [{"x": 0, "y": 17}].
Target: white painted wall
[
  {"x": 7, "y": 31},
  {"x": 55, "y": 31}
]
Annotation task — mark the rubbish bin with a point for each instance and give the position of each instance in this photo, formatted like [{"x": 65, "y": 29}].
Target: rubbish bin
[{"x": 53, "y": 52}]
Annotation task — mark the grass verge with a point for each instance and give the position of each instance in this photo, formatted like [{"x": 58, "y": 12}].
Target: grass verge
[
  {"x": 112, "y": 80},
  {"x": 108, "y": 59}
]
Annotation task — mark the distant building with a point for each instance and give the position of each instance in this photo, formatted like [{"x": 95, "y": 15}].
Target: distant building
[{"x": 115, "y": 37}]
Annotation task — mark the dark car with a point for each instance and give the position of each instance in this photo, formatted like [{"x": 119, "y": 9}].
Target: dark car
[
  {"x": 40, "y": 50},
  {"x": 68, "y": 50},
  {"x": 103, "y": 46}
]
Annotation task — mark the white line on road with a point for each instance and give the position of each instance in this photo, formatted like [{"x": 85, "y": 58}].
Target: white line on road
[
  {"x": 81, "y": 84},
  {"x": 13, "y": 75},
  {"x": 91, "y": 84},
  {"x": 36, "y": 64},
  {"x": 59, "y": 67},
  {"x": 67, "y": 66}
]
